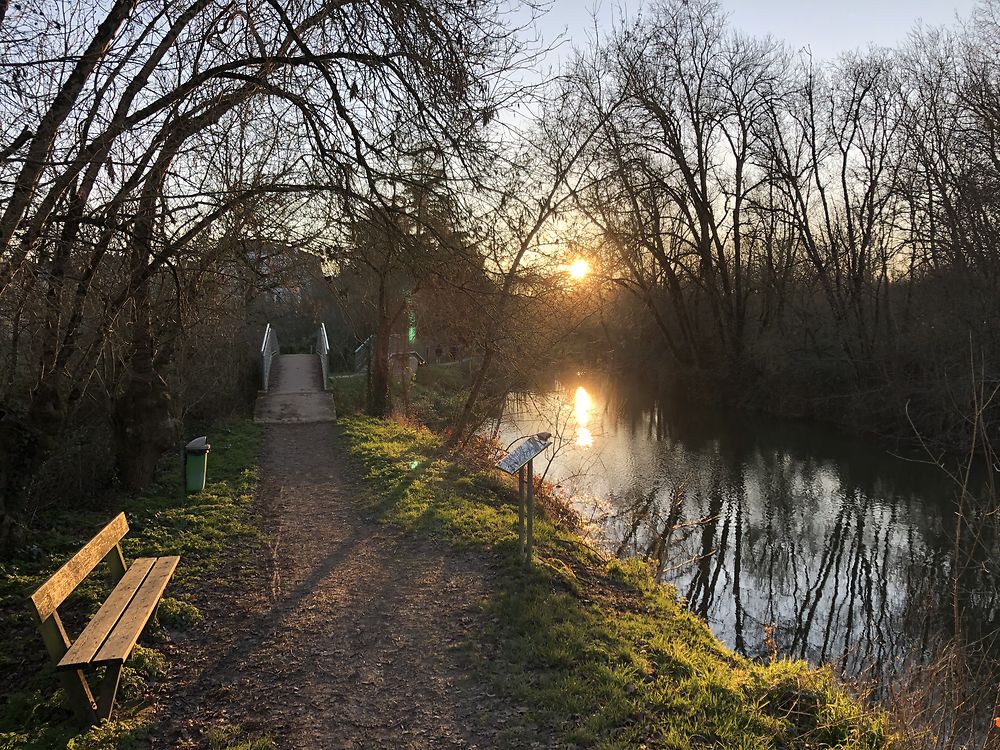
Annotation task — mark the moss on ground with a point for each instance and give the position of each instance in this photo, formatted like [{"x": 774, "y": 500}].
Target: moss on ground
[
  {"x": 591, "y": 650},
  {"x": 163, "y": 520}
]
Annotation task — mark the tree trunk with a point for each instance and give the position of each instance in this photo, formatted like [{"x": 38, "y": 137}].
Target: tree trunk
[
  {"x": 144, "y": 428},
  {"x": 380, "y": 397}
]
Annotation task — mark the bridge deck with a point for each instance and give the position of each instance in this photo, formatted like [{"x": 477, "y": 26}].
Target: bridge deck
[{"x": 296, "y": 394}]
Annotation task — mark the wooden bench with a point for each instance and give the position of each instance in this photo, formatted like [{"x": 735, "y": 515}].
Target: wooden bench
[{"x": 111, "y": 635}]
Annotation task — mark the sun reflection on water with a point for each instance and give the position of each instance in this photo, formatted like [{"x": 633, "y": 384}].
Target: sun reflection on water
[{"x": 582, "y": 408}]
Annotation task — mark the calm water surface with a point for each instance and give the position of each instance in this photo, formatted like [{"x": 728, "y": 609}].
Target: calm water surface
[{"x": 788, "y": 535}]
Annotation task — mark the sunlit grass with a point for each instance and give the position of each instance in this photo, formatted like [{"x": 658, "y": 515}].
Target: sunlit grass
[
  {"x": 163, "y": 520},
  {"x": 588, "y": 649}
]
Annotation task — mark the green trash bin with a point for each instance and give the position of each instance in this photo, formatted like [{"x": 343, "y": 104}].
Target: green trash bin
[{"x": 196, "y": 464}]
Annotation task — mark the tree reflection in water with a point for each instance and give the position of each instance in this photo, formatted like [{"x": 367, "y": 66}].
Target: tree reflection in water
[{"x": 846, "y": 550}]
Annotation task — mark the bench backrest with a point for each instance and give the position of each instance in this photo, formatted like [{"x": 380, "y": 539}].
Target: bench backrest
[{"x": 64, "y": 581}]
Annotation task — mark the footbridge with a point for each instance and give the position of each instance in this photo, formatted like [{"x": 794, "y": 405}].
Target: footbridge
[{"x": 293, "y": 386}]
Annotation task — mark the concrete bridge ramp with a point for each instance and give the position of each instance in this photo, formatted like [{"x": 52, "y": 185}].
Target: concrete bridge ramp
[{"x": 296, "y": 394}]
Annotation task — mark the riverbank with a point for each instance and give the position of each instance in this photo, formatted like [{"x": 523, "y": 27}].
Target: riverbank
[
  {"x": 414, "y": 550},
  {"x": 206, "y": 530},
  {"x": 591, "y": 651}
]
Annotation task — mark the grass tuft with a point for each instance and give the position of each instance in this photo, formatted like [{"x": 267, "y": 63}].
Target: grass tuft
[
  {"x": 229, "y": 737},
  {"x": 177, "y": 614}
]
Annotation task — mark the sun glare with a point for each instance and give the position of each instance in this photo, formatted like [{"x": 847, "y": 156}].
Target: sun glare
[
  {"x": 579, "y": 268},
  {"x": 582, "y": 406}
]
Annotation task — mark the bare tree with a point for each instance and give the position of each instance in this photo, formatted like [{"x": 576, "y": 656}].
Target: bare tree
[{"x": 120, "y": 159}]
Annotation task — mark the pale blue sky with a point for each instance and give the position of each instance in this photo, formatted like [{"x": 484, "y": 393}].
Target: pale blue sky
[{"x": 828, "y": 28}]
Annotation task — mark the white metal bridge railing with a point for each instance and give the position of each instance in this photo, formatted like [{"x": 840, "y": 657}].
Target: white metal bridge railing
[
  {"x": 268, "y": 350},
  {"x": 323, "y": 350}
]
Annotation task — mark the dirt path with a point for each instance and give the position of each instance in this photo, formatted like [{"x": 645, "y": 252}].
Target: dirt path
[{"x": 346, "y": 633}]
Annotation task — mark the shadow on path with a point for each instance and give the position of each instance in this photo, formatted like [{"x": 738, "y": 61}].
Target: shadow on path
[{"x": 345, "y": 634}]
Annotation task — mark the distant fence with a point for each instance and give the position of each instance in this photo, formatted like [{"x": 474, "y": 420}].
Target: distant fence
[
  {"x": 323, "y": 350},
  {"x": 268, "y": 350}
]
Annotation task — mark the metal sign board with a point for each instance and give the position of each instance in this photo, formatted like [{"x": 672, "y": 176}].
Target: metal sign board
[{"x": 526, "y": 451}]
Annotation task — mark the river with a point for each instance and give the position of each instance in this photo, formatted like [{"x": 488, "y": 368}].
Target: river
[{"x": 789, "y": 538}]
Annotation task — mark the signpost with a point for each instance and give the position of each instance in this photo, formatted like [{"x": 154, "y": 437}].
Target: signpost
[{"x": 521, "y": 461}]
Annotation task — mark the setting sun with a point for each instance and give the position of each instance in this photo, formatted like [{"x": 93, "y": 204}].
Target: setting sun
[{"x": 579, "y": 268}]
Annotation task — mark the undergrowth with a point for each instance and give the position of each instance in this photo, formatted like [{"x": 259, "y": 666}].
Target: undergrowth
[
  {"x": 163, "y": 520},
  {"x": 348, "y": 391},
  {"x": 433, "y": 397},
  {"x": 593, "y": 651}
]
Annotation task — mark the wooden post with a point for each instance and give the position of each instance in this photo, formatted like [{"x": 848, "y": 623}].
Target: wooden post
[
  {"x": 116, "y": 564},
  {"x": 530, "y": 511},
  {"x": 108, "y": 690},
  {"x": 520, "y": 512},
  {"x": 78, "y": 693}
]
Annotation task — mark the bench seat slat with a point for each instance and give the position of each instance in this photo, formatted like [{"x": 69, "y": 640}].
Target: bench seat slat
[
  {"x": 129, "y": 627},
  {"x": 81, "y": 653}
]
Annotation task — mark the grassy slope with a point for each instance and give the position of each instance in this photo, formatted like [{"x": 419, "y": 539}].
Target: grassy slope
[
  {"x": 200, "y": 528},
  {"x": 591, "y": 651}
]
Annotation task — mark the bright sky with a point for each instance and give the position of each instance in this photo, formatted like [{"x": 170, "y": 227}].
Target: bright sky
[{"x": 828, "y": 27}]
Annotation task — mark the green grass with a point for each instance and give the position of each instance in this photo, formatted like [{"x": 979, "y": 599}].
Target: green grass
[
  {"x": 445, "y": 376},
  {"x": 436, "y": 394},
  {"x": 229, "y": 737},
  {"x": 163, "y": 520},
  {"x": 590, "y": 651},
  {"x": 348, "y": 392}
]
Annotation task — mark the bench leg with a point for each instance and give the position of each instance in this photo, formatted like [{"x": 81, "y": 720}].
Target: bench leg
[
  {"x": 74, "y": 683},
  {"x": 108, "y": 690},
  {"x": 79, "y": 697}
]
